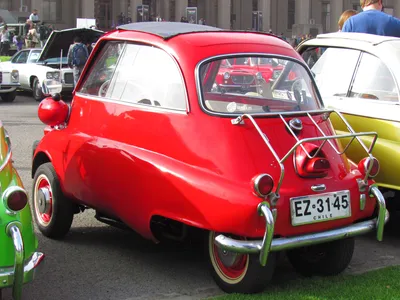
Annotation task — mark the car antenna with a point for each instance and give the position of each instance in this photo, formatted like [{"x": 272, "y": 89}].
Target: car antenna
[{"x": 61, "y": 60}]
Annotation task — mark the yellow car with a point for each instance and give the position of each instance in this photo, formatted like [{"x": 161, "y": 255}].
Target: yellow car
[{"x": 359, "y": 75}]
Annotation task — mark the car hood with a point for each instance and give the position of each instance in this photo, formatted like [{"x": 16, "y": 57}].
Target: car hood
[
  {"x": 62, "y": 39},
  {"x": 5, "y": 66}
]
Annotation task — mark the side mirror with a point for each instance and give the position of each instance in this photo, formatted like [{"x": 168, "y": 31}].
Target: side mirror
[{"x": 51, "y": 87}]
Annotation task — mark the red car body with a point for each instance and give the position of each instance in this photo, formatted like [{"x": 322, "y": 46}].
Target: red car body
[{"x": 135, "y": 163}]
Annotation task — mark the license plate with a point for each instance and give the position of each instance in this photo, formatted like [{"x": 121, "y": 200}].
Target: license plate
[{"x": 320, "y": 208}]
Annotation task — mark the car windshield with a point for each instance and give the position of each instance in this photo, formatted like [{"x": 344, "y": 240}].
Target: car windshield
[{"x": 256, "y": 89}]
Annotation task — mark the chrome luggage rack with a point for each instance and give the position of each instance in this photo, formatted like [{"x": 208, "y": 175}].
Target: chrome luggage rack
[{"x": 274, "y": 196}]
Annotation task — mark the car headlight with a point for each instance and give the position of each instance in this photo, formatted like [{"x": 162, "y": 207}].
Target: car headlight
[
  {"x": 49, "y": 75},
  {"x": 56, "y": 76},
  {"x": 14, "y": 76},
  {"x": 226, "y": 75},
  {"x": 259, "y": 76}
]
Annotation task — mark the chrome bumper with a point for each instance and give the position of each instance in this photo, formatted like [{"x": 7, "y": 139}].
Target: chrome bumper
[
  {"x": 8, "y": 87},
  {"x": 269, "y": 244},
  {"x": 23, "y": 271}
]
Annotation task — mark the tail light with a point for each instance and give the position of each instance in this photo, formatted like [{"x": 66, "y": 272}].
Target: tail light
[
  {"x": 314, "y": 167},
  {"x": 263, "y": 185},
  {"x": 371, "y": 164},
  {"x": 15, "y": 198}
]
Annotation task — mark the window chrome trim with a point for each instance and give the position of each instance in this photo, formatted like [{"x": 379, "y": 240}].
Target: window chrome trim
[
  {"x": 151, "y": 108},
  {"x": 199, "y": 88},
  {"x": 110, "y": 100}
]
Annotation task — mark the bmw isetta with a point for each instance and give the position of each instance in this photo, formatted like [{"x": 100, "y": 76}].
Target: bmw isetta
[{"x": 147, "y": 142}]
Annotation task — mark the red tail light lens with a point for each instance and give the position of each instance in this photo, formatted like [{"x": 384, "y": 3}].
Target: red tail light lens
[
  {"x": 366, "y": 163},
  {"x": 15, "y": 198},
  {"x": 263, "y": 185},
  {"x": 314, "y": 167}
]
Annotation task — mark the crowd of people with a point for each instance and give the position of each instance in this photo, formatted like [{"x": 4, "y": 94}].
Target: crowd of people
[{"x": 35, "y": 33}]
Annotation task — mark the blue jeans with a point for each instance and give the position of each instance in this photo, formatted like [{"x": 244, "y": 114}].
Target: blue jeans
[{"x": 77, "y": 73}]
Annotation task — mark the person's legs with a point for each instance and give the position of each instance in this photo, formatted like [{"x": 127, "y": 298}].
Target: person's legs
[
  {"x": 77, "y": 73},
  {"x": 6, "y": 48}
]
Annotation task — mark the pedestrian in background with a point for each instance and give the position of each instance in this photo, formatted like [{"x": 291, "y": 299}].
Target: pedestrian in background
[
  {"x": 34, "y": 17},
  {"x": 373, "y": 20},
  {"x": 345, "y": 15},
  {"x": 33, "y": 38},
  {"x": 5, "y": 41},
  {"x": 77, "y": 57}
]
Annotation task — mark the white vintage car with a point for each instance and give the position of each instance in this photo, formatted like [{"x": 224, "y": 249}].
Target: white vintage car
[
  {"x": 9, "y": 82},
  {"x": 51, "y": 62}
]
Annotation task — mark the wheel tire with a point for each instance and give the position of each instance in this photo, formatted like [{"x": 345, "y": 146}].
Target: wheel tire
[
  {"x": 9, "y": 97},
  {"x": 247, "y": 276},
  {"x": 326, "y": 259},
  {"x": 53, "y": 220},
  {"x": 36, "y": 90},
  {"x": 34, "y": 146}
]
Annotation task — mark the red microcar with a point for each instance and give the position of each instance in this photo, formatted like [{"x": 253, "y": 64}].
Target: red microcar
[{"x": 147, "y": 142}]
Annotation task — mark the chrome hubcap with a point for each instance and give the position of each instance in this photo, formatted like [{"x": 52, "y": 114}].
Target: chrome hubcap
[
  {"x": 44, "y": 198},
  {"x": 229, "y": 259}
]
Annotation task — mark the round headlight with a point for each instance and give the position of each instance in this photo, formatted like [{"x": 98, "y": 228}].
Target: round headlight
[
  {"x": 226, "y": 75},
  {"x": 57, "y": 76},
  {"x": 49, "y": 75}
]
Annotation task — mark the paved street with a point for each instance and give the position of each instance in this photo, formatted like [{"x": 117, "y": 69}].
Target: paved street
[{"x": 99, "y": 262}]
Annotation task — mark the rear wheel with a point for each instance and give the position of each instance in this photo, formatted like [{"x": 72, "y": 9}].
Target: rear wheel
[
  {"x": 37, "y": 90},
  {"x": 325, "y": 259},
  {"x": 53, "y": 212},
  {"x": 239, "y": 273},
  {"x": 9, "y": 97}
]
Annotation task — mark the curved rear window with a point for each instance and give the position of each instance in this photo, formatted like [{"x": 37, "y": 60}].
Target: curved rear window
[{"x": 256, "y": 84}]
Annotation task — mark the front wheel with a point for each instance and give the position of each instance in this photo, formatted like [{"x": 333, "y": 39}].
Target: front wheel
[
  {"x": 53, "y": 212},
  {"x": 239, "y": 273},
  {"x": 9, "y": 97},
  {"x": 324, "y": 260},
  {"x": 37, "y": 90}
]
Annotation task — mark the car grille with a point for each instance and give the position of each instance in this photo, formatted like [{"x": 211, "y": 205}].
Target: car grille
[
  {"x": 1, "y": 77},
  {"x": 68, "y": 78},
  {"x": 242, "y": 79}
]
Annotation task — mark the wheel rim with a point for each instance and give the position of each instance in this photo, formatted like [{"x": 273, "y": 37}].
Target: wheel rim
[
  {"x": 43, "y": 198},
  {"x": 37, "y": 92},
  {"x": 230, "y": 267}
]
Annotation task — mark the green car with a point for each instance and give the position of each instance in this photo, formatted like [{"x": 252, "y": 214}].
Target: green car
[{"x": 18, "y": 256}]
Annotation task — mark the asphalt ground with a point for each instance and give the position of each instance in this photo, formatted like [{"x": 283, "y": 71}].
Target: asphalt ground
[{"x": 96, "y": 261}]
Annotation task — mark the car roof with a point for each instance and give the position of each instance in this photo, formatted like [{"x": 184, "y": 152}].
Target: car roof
[
  {"x": 352, "y": 38},
  {"x": 167, "y": 30}
]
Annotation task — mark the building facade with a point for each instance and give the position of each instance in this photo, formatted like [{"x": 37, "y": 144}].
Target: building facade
[{"x": 290, "y": 17}]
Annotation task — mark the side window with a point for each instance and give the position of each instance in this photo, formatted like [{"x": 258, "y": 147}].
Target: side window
[
  {"x": 333, "y": 69},
  {"x": 34, "y": 56},
  {"x": 20, "y": 58},
  {"x": 380, "y": 86},
  {"x": 99, "y": 76},
  {"x": 148, "y": 75}
]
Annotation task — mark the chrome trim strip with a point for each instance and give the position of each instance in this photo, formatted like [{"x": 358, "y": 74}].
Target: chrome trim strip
[
  {"x": 263, "y": 247},
  {"x": 319, "y": 187}
]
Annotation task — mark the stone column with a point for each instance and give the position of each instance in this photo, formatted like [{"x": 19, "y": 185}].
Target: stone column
[
  {"x": 396, "y": 8},
  {"x": 224, "y": 14},
  {"x": 210, "y": 13},
  {"x": 134, "y": 5},
  {"x": 336, "y": 11},
  {"x": 180, "y": 9},
  {"x": 165, "y": 9},
  {"x": 88, "y": 9},
  {"x": 303, "y": 11},
  {"x": 265, "y": 7}
]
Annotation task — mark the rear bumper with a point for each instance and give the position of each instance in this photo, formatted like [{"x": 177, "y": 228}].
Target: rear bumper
[
  {"x": 23, "y": 270},
  {"x": 269, "y": 244}
]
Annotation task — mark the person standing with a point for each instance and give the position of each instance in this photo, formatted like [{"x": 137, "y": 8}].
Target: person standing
[
  {"x": 5, "y": 41},
  {"x": 33, "y": 39},
  {"x": 373, "y": 20},
  {"x": 77, "y": 57},
  {"x": 346, "y": 15},
  {"x": 44, "y": 33},
  {"x": 34, "y": 17}
]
